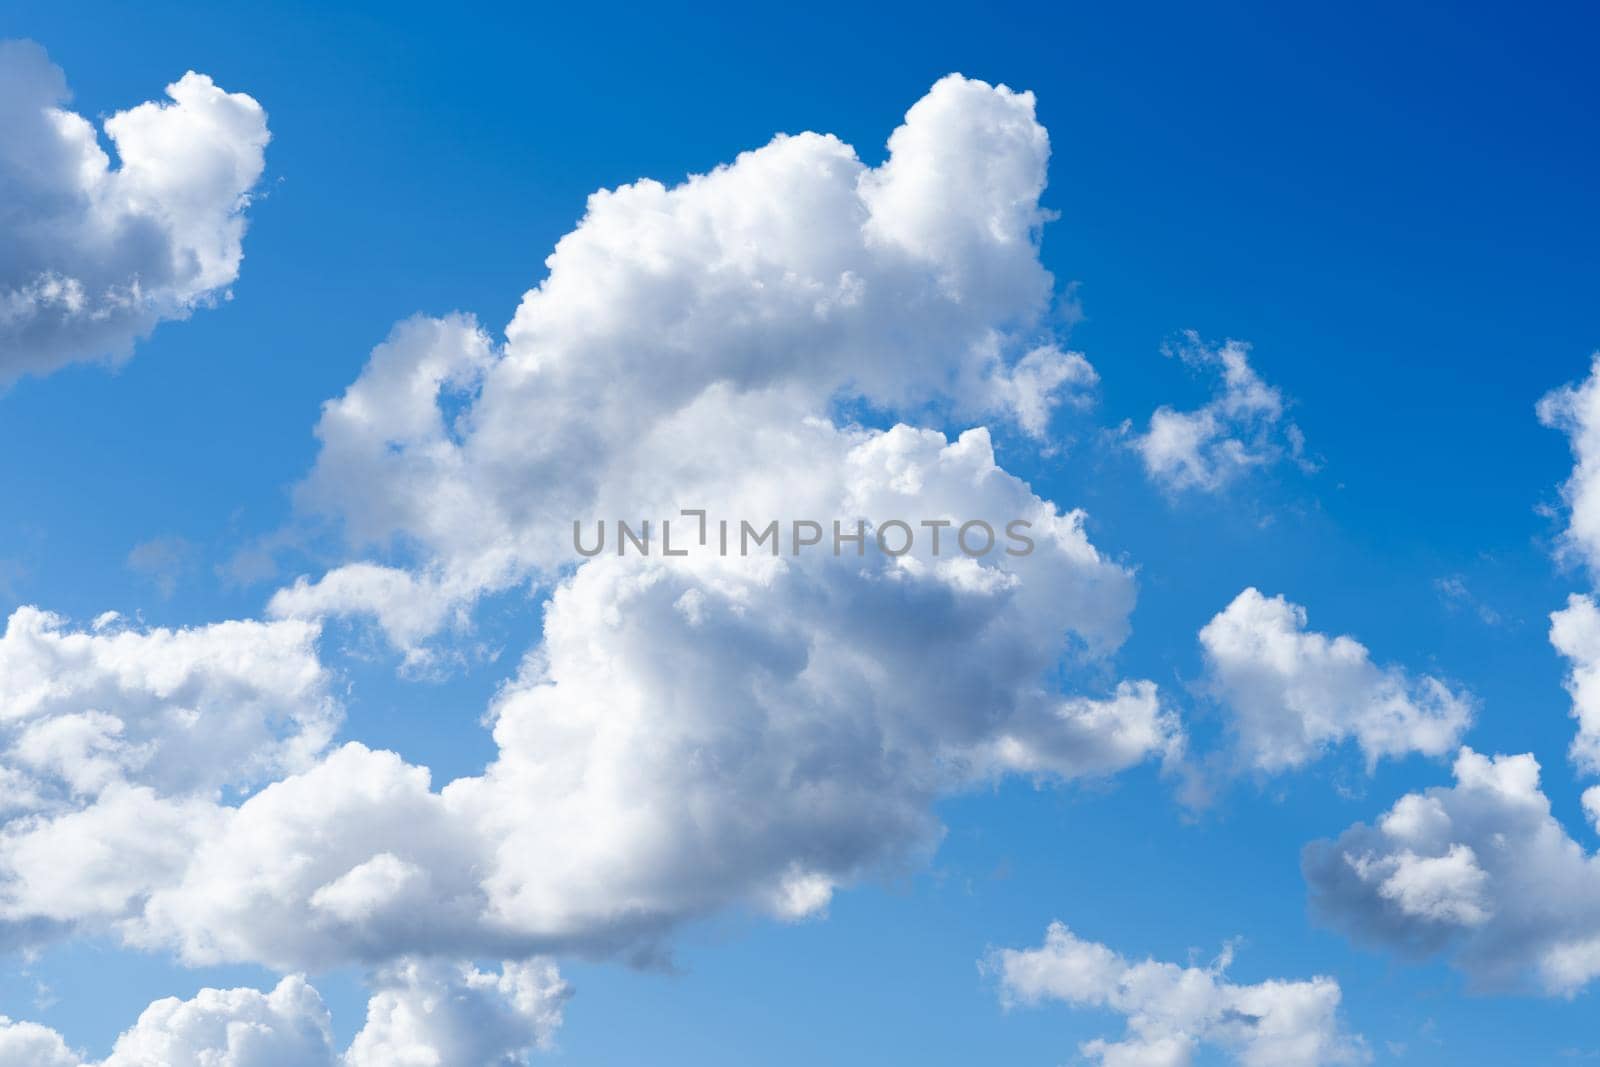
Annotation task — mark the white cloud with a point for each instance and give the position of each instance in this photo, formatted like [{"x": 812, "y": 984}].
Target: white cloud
[
  {"x": 185, "y": 711},
  {"x": 1291, "y": 693},
  {"x": 691, "y": 733},
  {"x": 794, "y": 273},
  {"x": 1481, "y": 870},
  {"x": 116, "y": 744},
  {"x": 24, "y": 1044},
  {"x": 94, "y": 257},
  {"x": 288, "y": 1027},
  {"x": 698, "y": 733},
  {"x": 422, "y": 1014},
  {"x": 1172, "y": 1011},
  {"x": 1575, "y": 411},
  {"x": 1575, "y": 632},
  {"x": 1575, "y": 629},
  {"x": 1239, "y": 429},
  {"x": 433, "y": 1015}
]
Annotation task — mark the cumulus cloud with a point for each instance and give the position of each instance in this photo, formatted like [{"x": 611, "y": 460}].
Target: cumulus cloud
[
  {"x": 1481, "y": 871},
  {"x": 692, "y": 732},
  {"x": 697, "y": 733},
  {"x": 1575, "y": 629},
  {"x": 190, "y": 710},
  {"x": 422, "y": 1014},
  {"x": 24, "y": 1044},
  {"x": 794, "y": 273},
  {"x": 230, "y": 1028},
  {"x": 427, "y": 1014},
  {"x": 93, "y": 257},
  {"x": 117, "y": 744},
  {"x": 1291, "y": 693},
  {"x": 1575, "y": 411},
  {"x": 1241, "y": 428},
  {"x": 1173, "y": 1012},
  {"x": 1575, "y": 632}
]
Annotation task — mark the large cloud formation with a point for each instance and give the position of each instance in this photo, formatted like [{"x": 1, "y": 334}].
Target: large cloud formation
[
  {"x": 691, "y": 732},
  {"x": 421, "y": 1014},
  {"x": 1173, "y": 1011},
  {"x": 792, "y": 278},
  {"x": 694, "y": 733},
  {"x": 93, "y": 257}
]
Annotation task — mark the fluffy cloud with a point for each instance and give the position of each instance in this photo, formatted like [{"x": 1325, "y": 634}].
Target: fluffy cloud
[
  {"x": 422, "y": 1014},
  {"x": 230, "y": 1028},
  {"x": 184, "y": 711},
  {"x": 1575, "y": 411},
  {"x": 24, "y": 1044},
  {"x": 1241, "y": 428},
  {"x": 692, "y": 732},
  {"x": 1291, "y": 693},
  {"x": 1575, "y": 632},
  {"x": 93, "y": 257},
  {"x": 1172, "y": 1011},
  {"x": 1575, "y": 629},
  {"x": 1481, "y": 870},
  {"x": 116, "y": 745},
  {"x": 702, "y": 732},
  {"x": 431, "y": 1015},
  {"x": 795, "y": 273}
]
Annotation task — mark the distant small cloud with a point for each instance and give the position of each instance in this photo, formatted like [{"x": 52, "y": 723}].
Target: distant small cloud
[
  {"x": 1242, "y": 428},
  {"x": 162, "y": 560},
  {"x": 1453, "y": 590}
]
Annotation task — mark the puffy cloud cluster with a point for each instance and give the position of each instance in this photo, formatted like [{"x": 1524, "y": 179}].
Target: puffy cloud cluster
[
  {"x": 432, "y": 1014},
  {"x": 117, "y": 746},
  {"x": 690, "y": 733},
  {"x": 1481, "y": 870},
  {"x": 794, "y": 276},
  {"x": 1239, "y": 429},
  {"x": 24, "y": 1044},
  {"x": 187, "y": 711},
  {"x": 1575, "y": 629},
  {"x": 93, "y": 257},
  {"x": 1575, "y": 411},
  {"x": 1575, "y": 632},
  {"x": 1173, "y": 1012},
  {"x": 422, "y": 1014},
  {"x": 697, "y": 733},
  {"x": 1292, "y": 693}
]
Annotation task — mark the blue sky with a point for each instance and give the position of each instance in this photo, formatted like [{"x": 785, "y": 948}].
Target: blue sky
[{"x": 1393, "y": 207}]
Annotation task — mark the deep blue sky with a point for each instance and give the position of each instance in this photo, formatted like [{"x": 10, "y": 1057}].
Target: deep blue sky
[{"x": 1396, "y": 207}]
